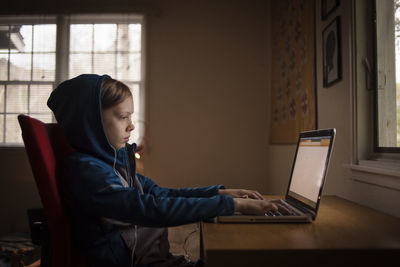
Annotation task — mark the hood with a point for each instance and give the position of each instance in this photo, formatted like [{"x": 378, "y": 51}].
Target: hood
[{"x": 76, "y": 104}]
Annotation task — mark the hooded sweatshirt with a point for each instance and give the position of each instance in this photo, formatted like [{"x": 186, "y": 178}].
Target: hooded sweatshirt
[{"x": 101, "y": 203}]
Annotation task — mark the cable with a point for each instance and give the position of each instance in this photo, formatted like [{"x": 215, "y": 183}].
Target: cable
[
  {"x": 135, "y": 232},
  {"x": 134, "y": 246},
  {"x": 186, "y": 254}
]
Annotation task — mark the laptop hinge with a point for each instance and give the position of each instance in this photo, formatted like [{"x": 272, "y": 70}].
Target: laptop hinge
[{"x": 303, "y": 209}]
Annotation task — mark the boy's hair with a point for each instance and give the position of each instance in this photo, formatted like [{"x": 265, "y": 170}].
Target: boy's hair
[{"x": 113, "y": 92}]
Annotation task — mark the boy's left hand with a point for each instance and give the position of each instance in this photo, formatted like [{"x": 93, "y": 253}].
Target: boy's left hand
[{"x": 241, "y": 193}]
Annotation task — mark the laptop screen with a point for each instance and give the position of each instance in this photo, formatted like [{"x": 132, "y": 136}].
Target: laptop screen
[{"x": 309, "y": 169}]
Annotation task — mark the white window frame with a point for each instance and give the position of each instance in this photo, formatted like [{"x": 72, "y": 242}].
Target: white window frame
[{"x": 62, "y": 50}]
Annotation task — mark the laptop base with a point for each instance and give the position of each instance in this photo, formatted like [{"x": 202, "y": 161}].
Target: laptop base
[{"x": 261, "y": 219}]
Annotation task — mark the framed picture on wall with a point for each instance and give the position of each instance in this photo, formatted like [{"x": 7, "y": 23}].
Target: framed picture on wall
[
  {"x": 328, "y": 6},
  {"x": 332, "y": 56}
]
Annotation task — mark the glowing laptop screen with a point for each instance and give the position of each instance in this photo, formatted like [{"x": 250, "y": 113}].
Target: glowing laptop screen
[{"x": 309, "y": 169}]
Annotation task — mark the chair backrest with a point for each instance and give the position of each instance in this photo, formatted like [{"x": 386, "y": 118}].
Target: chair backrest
[{"x": 47, "y": 146}]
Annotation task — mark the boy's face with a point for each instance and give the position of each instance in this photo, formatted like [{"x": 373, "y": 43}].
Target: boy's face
[{"x": 118, "y": 123}]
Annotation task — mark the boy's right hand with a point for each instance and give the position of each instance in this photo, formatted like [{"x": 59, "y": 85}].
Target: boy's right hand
[{"x": 248, "y": 206}]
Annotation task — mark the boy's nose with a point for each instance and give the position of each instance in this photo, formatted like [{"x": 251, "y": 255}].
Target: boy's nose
[{"x": 131, "y": 127}]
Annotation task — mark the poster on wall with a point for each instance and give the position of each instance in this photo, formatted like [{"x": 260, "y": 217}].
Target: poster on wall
[
  {"x": 328, "y": 6},
  {"x": 293, "y": 70}
]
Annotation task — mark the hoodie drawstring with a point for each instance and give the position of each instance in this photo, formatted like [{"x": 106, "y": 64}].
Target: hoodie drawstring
[{"x": 135, "y": 232}]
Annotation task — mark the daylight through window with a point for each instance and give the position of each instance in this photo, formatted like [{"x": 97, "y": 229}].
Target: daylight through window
[
  {"x": 28, "y": 59},
  {"x": 388, "y": 75}
]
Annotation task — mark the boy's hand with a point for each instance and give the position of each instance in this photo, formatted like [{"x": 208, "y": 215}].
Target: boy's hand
[
  {"x": 241, "y": 193},
  {"x": 253, "y": 206},
  {"x": 259, "y": 207}
]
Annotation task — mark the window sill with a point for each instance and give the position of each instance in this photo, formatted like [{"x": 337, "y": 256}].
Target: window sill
[
  {"x": 12, "y": 145},
  {"x": 376, "y": 172}
]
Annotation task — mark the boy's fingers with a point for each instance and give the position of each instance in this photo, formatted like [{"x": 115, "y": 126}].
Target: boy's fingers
[{"x": 256, "y": 195}]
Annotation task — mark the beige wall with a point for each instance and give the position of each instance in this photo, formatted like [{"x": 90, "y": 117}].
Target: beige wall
[{"x": 207, "y": 94}]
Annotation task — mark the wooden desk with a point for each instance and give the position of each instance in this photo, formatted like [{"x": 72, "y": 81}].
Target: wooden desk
[{"x": 344, "y": 234}]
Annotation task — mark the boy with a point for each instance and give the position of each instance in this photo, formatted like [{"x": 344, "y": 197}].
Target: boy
[{"x": 119, "y": 217}]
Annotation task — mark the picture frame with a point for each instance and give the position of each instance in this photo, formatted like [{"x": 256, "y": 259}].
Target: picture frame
[
  {"x": 328, "y": 6},
  {"x": 332, "y": 54}
]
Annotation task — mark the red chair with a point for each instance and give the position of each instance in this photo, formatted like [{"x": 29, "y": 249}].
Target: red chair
[{"x": 47, "y": 146}]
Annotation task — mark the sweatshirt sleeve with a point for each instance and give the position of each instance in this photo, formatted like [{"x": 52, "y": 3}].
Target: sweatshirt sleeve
[
  {"x": 98, "y": 192},
  {"x": 150, "y": 187}
]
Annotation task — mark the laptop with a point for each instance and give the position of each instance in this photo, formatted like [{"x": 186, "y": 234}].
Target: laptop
[{"x": 306, "y": 182}]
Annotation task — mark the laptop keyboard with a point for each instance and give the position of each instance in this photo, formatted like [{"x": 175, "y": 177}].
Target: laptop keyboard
[
  {"x": 273, "y": 213},
  {"x": 278, "y": 213}
]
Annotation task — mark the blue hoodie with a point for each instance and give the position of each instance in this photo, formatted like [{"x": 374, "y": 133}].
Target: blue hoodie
[{"x": 97, "y": 192}]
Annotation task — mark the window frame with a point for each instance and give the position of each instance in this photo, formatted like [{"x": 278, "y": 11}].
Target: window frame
[
  {"x": 62, "y": 53},
  {"x": 368, "y": 165},
  {"x": 379, "y": 151}
]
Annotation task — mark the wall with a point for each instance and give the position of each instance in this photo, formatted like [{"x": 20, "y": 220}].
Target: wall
[
  {"x": 207, "y": 97},
  {"x": 207, "y": 94},
  {"x": 337, "y": 108},
  {"x": 208, "y": 104},
  {"x": 17, "y": 190}
]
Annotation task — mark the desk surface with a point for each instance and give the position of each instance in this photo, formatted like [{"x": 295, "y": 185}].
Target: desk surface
[{"x": 341, "y": 225}]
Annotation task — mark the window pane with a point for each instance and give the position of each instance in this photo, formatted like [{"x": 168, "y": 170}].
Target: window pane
[
  {"x": 5, "y": 38},
  {"x": 44, "y": 38},
  {"x": 104, "y": 64},
  {"x": 124, "y": 71},
  {"x": 1, "y": 100},
  {"x": 105, "y": 37},
  {"x": 38, "y": 98},
  {"x": 136, "y": 105},
  {"x": 20, "y": 67},
  {"x": 129, "y": 37},
  {"x": 17, "y": 99},
  {"x": 13, "y": 131},
  {"x": 116, "y": 51},
  {"x": 388, "y": 80},
  {"x": 3, "y": 67},
  {"x": 136, "y": 100},
  {"x": 26, "y": 32},
  {"x": 79, "y": 64},
  {"x": 81, "y": 36},
  {"x": 123, "y": 38},
  {"x": 28, "y": 58},
  {"x": 44, "y": 67},
  {"x": 397, "y": 42},
  {"x": 46, "y": 118},
  {"x": 1, "y": 128},
  {"x": 135, "y": 37},
  {"x": 129, "y": 67}
]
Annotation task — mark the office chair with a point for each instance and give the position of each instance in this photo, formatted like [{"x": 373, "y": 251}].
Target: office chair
[{"x": 46, "y": 147}]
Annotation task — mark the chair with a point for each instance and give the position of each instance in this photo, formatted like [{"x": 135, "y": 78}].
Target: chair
[{"x": 47, "y": 146}]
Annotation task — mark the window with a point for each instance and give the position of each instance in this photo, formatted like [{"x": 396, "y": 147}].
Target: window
[
  {"x": 387, "y": 62},
  {"x": 37, "y": 53},
  {"x": 27, "y": 75},
  {"x": 375, "y": 155}
]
